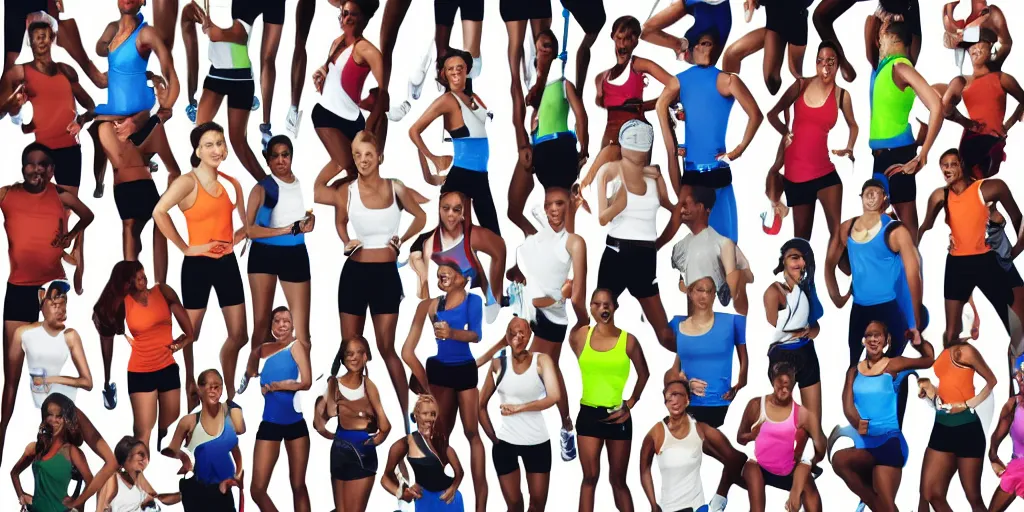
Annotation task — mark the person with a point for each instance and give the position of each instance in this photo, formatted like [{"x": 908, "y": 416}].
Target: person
[
  {"x": 16, "y": 16},
  {"x": 516, "y": 14},
  {"x": 778, "y": 444},
  {"x": 362, "y": 425},
  {"x": 894, "y": 85},
  {"x": 605, "y": 354},
  {"x": 1011, "y": 421},
  {"x": 286, "y": 370},
  {"x": 984, "y": 92},
  {"x": 810, "y": 174},
  {"x": 54, "y": 457},
  {"x": 37, "y": 235},
  {"x": 972, "y": 262},
  {"x": 527, "y": 383},
  {"x": 555, "y": 160},
  {"x": 785, "y": 30},
  {"x": 793, "y": 308},
  {"x": 154, "y": 382},
  {"x": 707, "y": 95},
  {"x": 451, "y": 375},
  {"x": 218, "y": 461},
  {"x": 465, "y": 118},
  {"x": 209, "y": 261},
  {"x": 590, "y": 15},
  {"x": 707, "y": 15},
  {"x": 277, "y": 222},
  {"x": 872, "y": 469},
  {"x": 472, "y": 14},
  {"x": 128, "y": 490},
  {"x": 982, "y": 16},
  {"x": 907, "y": 12}
]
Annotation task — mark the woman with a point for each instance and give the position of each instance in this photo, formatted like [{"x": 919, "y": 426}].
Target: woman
[
  {"x": 516, "y": 14},
  {"x": 889, "y": 11},
  {"x": 362, "y": 425},
  {"x": 452, "y": 374},
  {"x": 54, "y": 457},
  {"x": 154, "y": 382},
  {"x": 286, "y": 370},
  {"x": 605, "y": 352},
  {"x": 874, "y": 469},
  {"x": 209, "y": 261},
  {"x": 427, "y": 451},
  {"x": 339, "y": 117},
  {"x": 527, "y": 384},
  {"x": 810, "y": 174},
  {"x": 129, "y": 490},
  {"x": 957, "y": 442},
  {"x": 1011, "y": 421},
  {"x": 218, "y": 461},
  {"x": 465, "y": 118},
  {"x": 785, "y": 31},
  {"x": 277, "y": 222}
]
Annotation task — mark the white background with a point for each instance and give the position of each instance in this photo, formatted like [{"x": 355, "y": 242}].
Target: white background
[{"x": 326, "y": 250}]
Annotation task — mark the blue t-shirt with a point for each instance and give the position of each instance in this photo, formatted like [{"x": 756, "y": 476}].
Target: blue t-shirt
[
  {"x": 466, "y": 316},
  {"x": 708, "y": 357}
]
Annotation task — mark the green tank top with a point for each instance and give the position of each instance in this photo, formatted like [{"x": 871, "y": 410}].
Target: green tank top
[
  {"x": 604, "y": 373},
  {"x": 52, "y": 477},
  {"x": 890, "y": 107},
  {"x": 553, "y": 114}
]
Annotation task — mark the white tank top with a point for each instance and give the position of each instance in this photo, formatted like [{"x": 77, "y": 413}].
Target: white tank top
[
  {"x": 128, "y": 499},
  {"x": 290, "y": 206},
  {"x": 374, "y": 227},
  {"x": 524, "y": 428},
  {"x": 546, "y": 263},
  {"x": 353, "y": 394},
  {"x": 679, "y": 462},
  {"x": 637, "y": 220},
  {"x": 475, "y": 120},
  {"x": 334, "y": 98},
  {"x": 793, "y": 317},
  {"x": 46, "y": 356}
]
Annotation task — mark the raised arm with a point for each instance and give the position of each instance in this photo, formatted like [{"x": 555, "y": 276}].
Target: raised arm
[{"x": 652, "y": 68}]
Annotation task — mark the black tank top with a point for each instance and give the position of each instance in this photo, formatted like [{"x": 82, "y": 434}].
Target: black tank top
[{"x": 428, "y": 470}]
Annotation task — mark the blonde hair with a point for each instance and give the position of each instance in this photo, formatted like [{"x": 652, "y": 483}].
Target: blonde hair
[
  {"x": 422, "y": 400},
  {"x": 367, "y": 137}
]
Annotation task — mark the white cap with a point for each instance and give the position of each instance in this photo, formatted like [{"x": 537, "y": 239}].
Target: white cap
[
  {"x": 41, "y": 17},
  {"x": 636, "y": 135}
]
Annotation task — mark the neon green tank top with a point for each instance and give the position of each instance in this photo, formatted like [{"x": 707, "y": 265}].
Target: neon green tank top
[
  {"x": 52, "y": 477},
  {"x": 604, "y": 373},
  {"x": 890, "y": 107},
  {"x": 553, "y": 114}
]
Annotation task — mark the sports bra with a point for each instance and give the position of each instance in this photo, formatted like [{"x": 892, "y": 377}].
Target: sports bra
[
  {"x": 32, "y": 221},
  {"x": 637, "y": 221},
  {"x": 280, "y": 407},
  {"x": 46, "y": 355},
  {"x": 374, "y": 227},
  {"x": 794, "y": 317},
  {"x": 472, "y": 151},
  {"x": 543, "y": 258},
  {"x": 150, "y": 326},
  {"x": 985, "y": 100},
  {"x": 629, "y": 85},
  {"x": 353, "y": 394},
  {"x": 956, "y": 382},
  {"x": 679, "y": 462},
  {"x": 522, "y": 428},
  {"x": 128, "y": 91},
  {"x": 127, "y": 499},
  {"x": 53, "y": 106},
  {"x": 212, "y": 453},
  {"x": 343, "y": 86},
  {"x": 807, "y": 158},
  {"x": 429, "y": 470},
  {"x": 209, "y": 218},
  {"x": 967, "y": 216},
  {"x": 604, "y": 373}
]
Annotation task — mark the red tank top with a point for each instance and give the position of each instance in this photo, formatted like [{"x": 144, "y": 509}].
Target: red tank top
[
  {"x": 150, "y": 326},
  {"x": 632, "y": 89},
  {"x": 32, "y": 222},
  {"x": 353, "y": 76},
  {"x": 807, "y": 158},
  {"x": 53, "y": 106},
  {"x": 985, "y": 100}
]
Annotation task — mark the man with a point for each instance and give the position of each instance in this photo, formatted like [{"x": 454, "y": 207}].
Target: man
[
  {"x": 894, "y": 85},
  {"x": 16, "y": 13},
  {"x": 707, "y": 95}
]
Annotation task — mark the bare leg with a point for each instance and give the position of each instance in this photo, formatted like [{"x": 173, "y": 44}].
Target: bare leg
[
  {"x": 831, "y": 199},
  {"x": 264, "y": 458},
  {"x": 553, "y": 349},
  {"x": 234, "y": 317},
  {"x": 796, "y": 60},
  {"x": 827, "y": 12},
  {"x": 107, "y": 352},
  {"x": 907, "y": 212},
  {"x": 298, "y": 459},
  {"x": 970, "y": 480},
  {"x": 262, "y": 288},
  {"x": 304, "y": 12},
  {"x": 469, "y": 405},
  {"x": 618, "y": 465},
  {"x": 356, "y": 494},
  {"x": 855, "y": 468},
  {"x": 744, "y": 47},
  {"x": 237, "y": 120},
  {"x": 654, "y": 310},
  {"x": 165, "y": 15},
  {"x": 518, "y": 191},
  {"x": 189, "y": 19},
  {"x": 12, "y": 376},
  {"x": 803, "y": 220},
  {"x": 268, "y": 66},
  {"x": 512, "y": 491},
  {"x": 69, "y": 39},
  {"x": 394, "y": 14},
  {"x": 871, "y": 27},
  {"x": 338, "y": 147},
  {"x": 144, "y": 413},
  {"x": 583, "y": 61},
  {"x": 191, "y": 389},
  {"x": 168, "y": 412},
  {"x": 1001, "y": 500},
  {"x": 297, "y": 295},
  {"x": 755, "y": 485},
  {"x": 384, "y": 327},
  {"x": 538, "y": 484},
  {"x": 887, "y": 483},
  {"x": 937, "y": 470},
  {"x": 99, "y": 160},
  {"x": 774, "y": 50},
  {"x": 590, "y": 459}
]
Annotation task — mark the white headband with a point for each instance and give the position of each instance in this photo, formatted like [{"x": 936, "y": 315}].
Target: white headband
[{"x": 636, "y": 135}]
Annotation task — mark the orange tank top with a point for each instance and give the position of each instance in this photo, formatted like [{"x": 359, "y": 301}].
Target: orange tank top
[
  {"x": 209, "y": 218},
  {"x": 985, "y": 100},
  {"x": 967, "y": 217},
  {"x": 956, "y": 383},
  {"x": 150, "y": 326},
  {"x": 33, "y": 222},
  {"x": 53, "y": 107}
]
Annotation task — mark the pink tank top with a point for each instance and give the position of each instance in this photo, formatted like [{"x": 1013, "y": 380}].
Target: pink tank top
[
  {"x": 632, "y": 89},
  {"x": 807, "y": 158},
  {"x": 776, "y": 442},
  {"x": 1017, "y": 431}
]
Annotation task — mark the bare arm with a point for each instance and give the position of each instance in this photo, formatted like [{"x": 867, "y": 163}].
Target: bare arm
[
  {"x": 997, "y": 190},
  {"x": 398, "y": 451},
  {"x": 652, "y": 68},
  {"x": 79, "y": 462},
  {"x": 84, "y": 379},
  {"x": 771, "y": 304},
  {"x": 751, "y": 413},
  {"x": 785, "y": 102},
  {"x": 663, "y": 198},
  {"x": 925, "y": 360},
  {"x": 73, "y": 203},
  {"x": 647, "y": 451},
  {"x": 607, "y": 210},
  {"x": 636, "y": 355},
  {"x": 409, "y": 203},
  {"x": 107, "y": 493},
  {"x": 413, "y": 339},
  {"x": 180, "y": 316},
  {"x": 578, "y": 252},
  {"x": 903, "y": 244},
  {"x": 1002, "y": 429},
  {"x": 19, "y": 467},
  {"x": 851, "y": 122},
  {"x": 654, "y": 28},
  {"x": 669, "y": 96},
  {"x": 549, "y": 376},
  {"x": 81, "y": 96},
  {"x": 1002, "y": 34},
  {"x": 812, "y": 425},
  {"x": 931, "y": 212},
  {"x": 579, "y": 111},
  {"x": 930, "y": 98},
  {"x": 848, "y": 408},
  {"x": 440, "y": 107},
  {"x": 485, "y": 396},
  {"x": 149, "y": 37},
  {"x": 95, "y": 442},
  {"x": 372, "y": 57},
  {"x": 235, "y": 34},
  {"x": 738, "y": 90},
  {"x": 951, "y": 98},
  {"x": 383, "y": 425},
  {"x": 175, "y": 193},
  {"x": 1012, "y": 88},
  {"x": 494, "y": 247},
  {"x": 969, "y": 356}
]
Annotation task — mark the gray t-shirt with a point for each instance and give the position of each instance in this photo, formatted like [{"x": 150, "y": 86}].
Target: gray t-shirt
[{"x": 699, "y": 256}]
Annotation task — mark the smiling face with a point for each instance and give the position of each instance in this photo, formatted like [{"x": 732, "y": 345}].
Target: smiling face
[
  {"x": 826, "y": 63},
  {"x": 281, "y": 325},
  {"x": 450, "y": 211},
  {"x": 980, "y": 52},
  {"x": 137, "y": 460},
  {"x": 676, "y": 399},
  {"x": 702, "y": 294},
  {"x": 794, "y": 264},
  {"x": 702, "y": 49},
  {"x": 449, "y": 279},
  {"x": 556, "y": 203},
  {"x": 426, "y": 415},
  {"x": 37, "y": 171},
  {"x": 211, "y": 389},
  {"x": 875, "y": 340},
  {"x": 279, "y": 158},
  {"x": 873, "y": 199},
  {"x": 951, "y": 169},
  {"x": 602, "y": 307},
  {"x": 212, "y": 150},
  {"x": 782, "y": 387},
  {"x": 366, "y": 157},
  {"x": 356, "y": 355},
  {"x": 454, "y": 71},
  {"x": 352, "y": 19},
  {"x": 54, "y": 419},
  {"x": 625, "y": 42}
]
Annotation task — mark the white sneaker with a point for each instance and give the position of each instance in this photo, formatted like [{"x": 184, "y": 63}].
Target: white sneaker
[
  {"x": 399, "y": 113},
  {"x": 717, "y": 504},
  {"x": 292, "y": 120},
  {"x": 419, "y": 75},
  {"x": 478, "y": 66},
  {"x": 491, "y": 312},
  {"x": 528, "y": 57}
]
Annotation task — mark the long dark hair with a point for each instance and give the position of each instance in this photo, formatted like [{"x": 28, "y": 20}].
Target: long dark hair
[
  {"x": 108, "y": 313},
  {"x": 332, "y": 383},
  {"x": 197, "y": 134},
  {"x": 71, "y": 432}
]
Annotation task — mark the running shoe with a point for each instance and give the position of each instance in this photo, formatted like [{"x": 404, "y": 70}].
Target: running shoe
[
  {"x": 265, "y": 133},
  {"x": 153, "y": 167},
  {"x": 190, "y": 111},
  {"x": 419, "y": 75},
  {"x": 255, "y": 104},
  {"x": 291, "y": 121},
  {"x": 717, "y": 504},
  {"x": 243, "y": 384},
  {"x": 98, "y": 192},
  {"x": 491, "y": 312},
  {"x": 397, "y": 114},
  {"x": 860, "y": 507},
  {"x": 568, "y": 441},
  {"x": 110, "y": 396},
  {"x": 521, "y": 307}
]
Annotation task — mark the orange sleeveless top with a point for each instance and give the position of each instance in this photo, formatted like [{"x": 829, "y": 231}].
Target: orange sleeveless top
[
  {"x": 150, "y": 326},
  {"x": 967, "y": 217},
  {"x": 956, "y": 383},
  {"x": 32, "y": 222},
  {"x": 53, "y": 106},
  {"x": 985, "y": 100},
  {"x": 209, "y": 218}
]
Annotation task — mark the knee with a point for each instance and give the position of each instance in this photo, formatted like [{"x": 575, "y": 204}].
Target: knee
[
  {"x": 298, "y": 488},
  {"x": 932, "y": 495},
  {"x": 590, "y": 479},
  {"x": 536, "y": 504},
  {"x": 515, "y": 503},
  {"x": 820, "y": 20},
  {"x": 259, "y": 491},
  {"x": 472, "y": 435},
  {"x": 773, "y": 82}
]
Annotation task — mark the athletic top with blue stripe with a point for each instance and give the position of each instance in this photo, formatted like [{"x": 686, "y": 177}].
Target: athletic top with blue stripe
[
  {"x": 289, "y": 207},
  {"x": 279, "y": 406},
  {"x": 890, "y": 107},
  {"x": 707, "y": 117},
  {"x": 470, "y": 140},
  {"x": 213, "y": 462},
  {"x": 229, "y": 60}
]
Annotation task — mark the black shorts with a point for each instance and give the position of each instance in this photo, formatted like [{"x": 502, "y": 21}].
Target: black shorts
[
  {"x": 352, "y": 460},
  {"x": 788, "y": 19},
  {"x": 556, "y": 162},
  {"x": 547, "y": 330},
  {"x": 136, "y": 200},
  {"x": 965, "y": 273},
  {"x": 21, "y": 303},
  {"x": 804, "y": 358},
  {"x": 164, "y": 379},
  {"x": 629, "y": 264},
  {"x": 276, "y": 432},
  {"x": 589, "y": 423},
  {"x": 712, "y": 416},
  {"x": 239, "y": 92},
  {"x": 476, "y": 186},
  {"x": 67, "y": 166},
  {"x": 536, "y": 458},
  {"x": 522, "y": 10},
  {"x": 444, "y": 11},
  {"x": 1013, "y": 277},
  {"x": 901, "y": 188},
  {"x": 290, "y": 263},
  {"x": 323, "y": 118},
  {"x": 588, "y": 13},
  {"x": 201, "y": 273},
  {"x": 271, "y": 10},
  {"x": 966, "y": 441},
  {"x": 15, "y": 14},
  {"x": 139, "y": 137},
  {"x": 799, "y": 194},
  {"x": 779, "y": 482},
  {"x": 982, "y": 154},
  {"x": 369, "y": 285},
  {"x": 457, "y": 376}
]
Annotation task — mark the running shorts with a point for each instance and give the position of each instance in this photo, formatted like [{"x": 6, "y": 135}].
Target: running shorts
[
  {"x": 135, "y": 200},
  {"x": 536, "y": 458},
  {"x": 162, "y": 380},
  {"x": 629, "y": 264},
  {"x": 799, "y": 194},
  {"x": 276, "y": 432},
  {"x": 290, "y": 263},
  {"x": 376, "y": 286},
  {"x": 200, "y": 274}
]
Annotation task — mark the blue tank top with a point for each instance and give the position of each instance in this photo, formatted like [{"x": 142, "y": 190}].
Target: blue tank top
[
  {"x": 279, "y": 406},
  {"x": 708, "y": 357},
  {"x": 707, "y": 117},
  {"x": 127, "y": 89},
  {"x": 466, "y": 316},
  {"x": 875, "y": 268},
  {"x": 213, "y": 462},
  {"x": 875, "y": 400}
]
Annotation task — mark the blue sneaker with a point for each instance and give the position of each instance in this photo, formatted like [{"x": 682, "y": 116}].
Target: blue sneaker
[
  {"x": 860, "y": 507},
  {"x": 265, "y": 132},
  {"x": 190, "y": 111},
  {"x": 568, "y": 442},
  {"x": 255, "y": 104},
  {"x": 243, "y": 384},
  {"x": 110, "y": 396}
]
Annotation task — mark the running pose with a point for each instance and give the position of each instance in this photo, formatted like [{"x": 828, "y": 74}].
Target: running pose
[
  {"x": 709, "y": 16},
  {"x": 810, "y": 174},
  {"x": 785, "y": 30},
  {"x": 305, "y": 10},
  {"x": 128, "y": 490},
  {"x": 1011, "y": 421},
  {"x": 154, "y": 380},
  {"x": 982, "y": 16},
  {"x": 605, "y": 354},
  {"x": 209, "y": 261}
]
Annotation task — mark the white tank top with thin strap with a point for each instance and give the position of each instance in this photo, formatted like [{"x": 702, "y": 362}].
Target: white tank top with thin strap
[
  {"x": 546, "y": 263},
  {"x": 353, "y": 394},
  {"x": 334, "y": 98},
  {"x": 46, "y": 356},
  {"x": 524, "y": 428},
  {"x": 638, "y": 220},
  {"x": 679, "y": 462},
  {"x": 374, "y": 227},
  {"x": 474, "y": 120},
  {"x": 128, "y": 499},
  {"x": 793, "y": 317}
]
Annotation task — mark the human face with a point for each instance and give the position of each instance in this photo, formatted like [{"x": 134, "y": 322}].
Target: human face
[
  {"x": 518, "y": 335},
  {"x": 793, "y": 265},
  {"x": 130, "y": 6},
  {"x": 449, "y": 279},
  {"x": 951, "y": 169},
  {"x": 212, "y": 149},
  {"x": 211, "y": 391},
  {"x": 690, "y": 209},
  {"x": 139, "y": 281},
  {"x": 366, "y": 157},
  {"x": 625, "y": 42},
  {"x": 352, "y": 19},
  {"x": 676, "y": 399},
  {"x": 873, "y": 199},
  {"x": 702, "y": 293},
  {"x": 602, "y": 308},
  {"x": 137, "y": 460},
  {"x": 455, "y": 70},
  {"x": 54, "y": 420},
  {"x": 782, "y": 388},
  {"x": 556, "y": 202},
  {"x": 981, "y": 52},
  {"x": 37, "y": 171},
  {"x": 355, "y": 356},
  {"x": 281, "y": 326},
  {"x": 547, "y": 49},
  {"x": 826, "y": 64},
  {"x": 55, "y": 310},
  {"x": 279, "y": 158},
  {"x": 42, "y": 41},
  {"x": 451, "y": 211},
  {"x": 875, "y": 340},
  {"x": 701, "y": 50},
  {"x": 426, "y": 415}
]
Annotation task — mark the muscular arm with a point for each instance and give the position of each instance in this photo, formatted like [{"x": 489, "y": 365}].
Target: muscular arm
[
  {"x": 654, "y": 28},
  {"x": 751, "y": 413},
  {"x": 901, "y": 242},
  {"x": 175, "y": 193},
  {"x": 951, "y": 99},
  {"x": 848, "y": 408},
  {"x": 925, "y": 360},
  {"x": 1006, "y": 415},
  {"x": 578, "y": 252},
  {"x": 73, "y": 203},
  {"x": 150, "y": 38},
  {"x": 372, "y": 57},
  {"x": 84, "y": 379},
  {"x": 669, "y": 96},
  {"x": 931, "y": 212},
  {"x": 1012, "y": 88},
  {"x": 835, "y": 252},
  {"x": 636, "y": 355},
  {"x": 398, "y": 451},
  {"x": 652, "y": 68},
  {"x": 441, "y": 106},
  {"x": 256, "y": 231},
  {"x": 78, "y": 91},
  {"x": 997, "y": 190},
  {"x": 738, "y": 90},
  {"x": 410, "y": 205},
  {"x": 413, "y": 339},
  {"x": 647, "y": 452},
  {"x": 1002, "y": 33}
]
